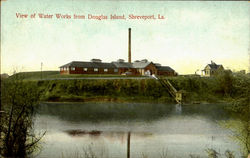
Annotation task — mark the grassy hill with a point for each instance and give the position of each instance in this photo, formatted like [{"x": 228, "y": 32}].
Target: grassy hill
[
  {"x": 38, "y": 75},
  {"x": 197, "y": 89}
]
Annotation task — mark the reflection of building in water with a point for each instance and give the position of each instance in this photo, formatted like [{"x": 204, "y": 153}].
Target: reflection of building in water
[
  {"x": 114, "y": 136},
  {"x": 111, "y": 136},
  {"x": 178, "y": 108}
]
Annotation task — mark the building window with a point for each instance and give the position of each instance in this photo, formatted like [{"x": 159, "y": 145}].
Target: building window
[
  {"x": 105, "y": 70},
  {"x": 96, "y": 69},
  {"x": 73, "y": 68},
  {"x": 115, "y": 70},
  {"x": 85, "y": 69},
  {"x": 61, "y": 69},
  {"x": 66, "y": 68}
]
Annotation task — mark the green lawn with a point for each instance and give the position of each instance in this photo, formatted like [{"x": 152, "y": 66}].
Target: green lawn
[{"x": 37, "y": 75}]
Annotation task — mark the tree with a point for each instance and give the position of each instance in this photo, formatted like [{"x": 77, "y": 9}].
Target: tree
[
  {"x": 240, "y": 109},
  {"x": 18, "y": 99},
  {"x": 225, "y": 82}
]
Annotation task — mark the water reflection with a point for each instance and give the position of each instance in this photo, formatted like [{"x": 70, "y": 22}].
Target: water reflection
[
  {"x": 178, "y": 108},
  {"x": 95, "y": 112},
  {"x": 107, "y": 134},
  {"x": 78, "y": 132},
  {"x": 154, "y": 128}
]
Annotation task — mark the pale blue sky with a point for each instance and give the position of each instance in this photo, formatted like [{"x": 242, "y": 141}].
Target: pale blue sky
[{"x": 192, "y": 34}]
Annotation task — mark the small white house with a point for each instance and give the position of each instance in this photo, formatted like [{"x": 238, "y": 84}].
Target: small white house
[{"x": 212, "y": 69}]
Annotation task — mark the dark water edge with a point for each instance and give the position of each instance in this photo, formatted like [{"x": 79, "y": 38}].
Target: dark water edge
[{"x": 104, "y": 111}]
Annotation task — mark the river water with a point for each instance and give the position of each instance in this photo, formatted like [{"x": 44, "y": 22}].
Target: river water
[{"x": 157, "y": 130}]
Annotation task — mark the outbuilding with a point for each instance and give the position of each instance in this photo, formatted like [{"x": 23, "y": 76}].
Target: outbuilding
[{"x": 212, "y": 69}]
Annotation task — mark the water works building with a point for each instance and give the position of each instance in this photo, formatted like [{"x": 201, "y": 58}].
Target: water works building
[
  {"x": 119, "y": 67},
  {"x": 138, "y": 67}
]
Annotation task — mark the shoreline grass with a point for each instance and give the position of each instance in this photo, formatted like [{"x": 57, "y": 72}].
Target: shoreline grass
[{"x": 198, "y": 90}]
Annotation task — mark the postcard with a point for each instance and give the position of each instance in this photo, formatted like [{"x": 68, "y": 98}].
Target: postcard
[{"x": 114, "y": 79}]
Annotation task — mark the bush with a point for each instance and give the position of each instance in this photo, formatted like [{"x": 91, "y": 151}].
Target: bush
[{"x": 18, "y": 99}]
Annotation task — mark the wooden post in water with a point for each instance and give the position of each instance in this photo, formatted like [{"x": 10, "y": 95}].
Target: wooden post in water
[{"x": 128, "y": 146}]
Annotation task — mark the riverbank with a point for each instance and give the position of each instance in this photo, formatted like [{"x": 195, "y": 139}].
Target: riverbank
[{"x": 196, "y": 89}]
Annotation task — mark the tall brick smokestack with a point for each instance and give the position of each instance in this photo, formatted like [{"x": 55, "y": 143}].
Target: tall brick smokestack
[{"x": 129, "y": 45}]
